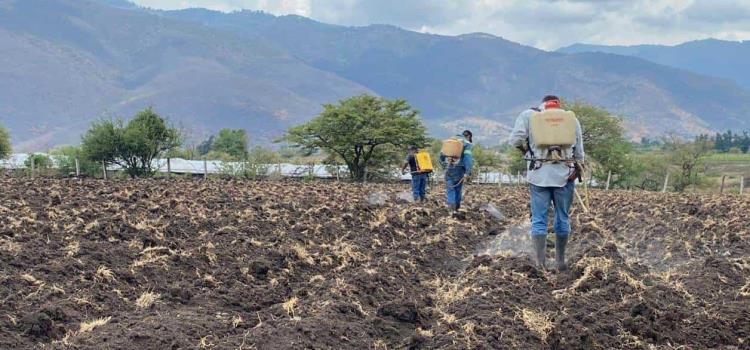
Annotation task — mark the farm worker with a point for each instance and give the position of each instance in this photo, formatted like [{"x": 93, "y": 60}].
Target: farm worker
[
  {"x": 418, "y": 178},
  {"x": 549, "y": 181},
  {"x": 457, "y": 174}
]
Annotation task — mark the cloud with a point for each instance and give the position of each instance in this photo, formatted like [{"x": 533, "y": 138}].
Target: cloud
[{"x": 546, "y": 24}]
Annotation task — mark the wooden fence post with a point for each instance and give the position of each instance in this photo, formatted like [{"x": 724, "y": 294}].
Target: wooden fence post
[
  {"x": 78, "y": 168},
  {"x": 742, "y": 184},
  {"x": 723, "y": 179},
  {"x": 666, "y": 182},
  {"x": 169, "y": 167},
  {"x": 609, "y": 177},
  {"x": 104, "y": 170},
  {"x": 33, "y": 165},
  {"x": 205, "y": 169}
]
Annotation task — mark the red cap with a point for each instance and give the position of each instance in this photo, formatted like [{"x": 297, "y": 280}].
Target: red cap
[{"x": 552, "y": 104}]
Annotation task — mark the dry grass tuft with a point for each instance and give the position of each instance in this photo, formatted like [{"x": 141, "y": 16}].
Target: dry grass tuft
[
  {"x": 31, "y": 279},
  {"x": 237, "y": 321},
  {"x": 289, "y": 306},
  {"x": 447, "y": 318},
  {"x": 104, "y": 274},
  {"x": 427, "y": 333},
  {"x": 745, "y": 290},
  {"x": 379, "y": 220},
  {"x": 10, "y": 246},
  {"x": 347, "y": 254},
  {"x": 631, "y": 281},
  {"x": 57, "y": 290},
  {"x": 210, "y": 254},
  {"x": 448, "y": 292},
  {"x": 590, "y": 267},
  {"x": 91, "y": 226},
  {"x": 469, "y": 329},
  {"x": 89, "y": 326},
  {"x": 204, "y": 343},
  {"x": 72, "y": 248},
  {"x": 146, "y": 300},
  {"x": 301, "y": 253},
  {"x": 380, "y": 344},
  {"x": 317, "y": 278},
  {"x": 537, "y": 321},
  {"x": 153, "y": 255}
]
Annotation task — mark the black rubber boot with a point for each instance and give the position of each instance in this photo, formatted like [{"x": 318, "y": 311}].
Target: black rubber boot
[
  {"x": 540, "y": 250},
  {"x": 560, "y": 244}
]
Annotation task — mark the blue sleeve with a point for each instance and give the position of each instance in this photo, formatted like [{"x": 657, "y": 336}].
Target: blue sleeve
[{"x": 468, "y": 158}]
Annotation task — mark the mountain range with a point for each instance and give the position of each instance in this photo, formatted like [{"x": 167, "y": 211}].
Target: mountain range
[
  {"x": 711, "y": 57},
  {"x": 68, "y": 62}
]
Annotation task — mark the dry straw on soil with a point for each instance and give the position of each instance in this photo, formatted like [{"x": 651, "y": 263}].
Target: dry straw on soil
[{"x": 227, "y": 265}]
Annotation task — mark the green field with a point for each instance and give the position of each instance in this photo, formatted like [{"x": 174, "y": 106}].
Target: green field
[{"x": 721, "y": 158}]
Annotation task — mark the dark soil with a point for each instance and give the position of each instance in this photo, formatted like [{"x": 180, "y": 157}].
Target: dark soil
[{"x": 183, "y": 264}]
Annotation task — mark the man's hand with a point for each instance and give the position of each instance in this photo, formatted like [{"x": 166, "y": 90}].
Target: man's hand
[
  {"x": 576, "y": 173},
  {"x": 573, "y": 175}
]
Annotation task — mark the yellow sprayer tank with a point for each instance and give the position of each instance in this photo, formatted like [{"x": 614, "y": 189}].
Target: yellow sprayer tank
[
  {"x": 424, "y": 162},
  {"x": 452, "y": 148},
  {"x": 553, "y": 127}
]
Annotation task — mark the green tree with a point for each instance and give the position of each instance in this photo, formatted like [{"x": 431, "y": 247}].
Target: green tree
[
  {"x": 360, "y": 131},
  {"x": 688, "y": 157},
  {"x": 259, "y": 161},
  {"x": 485, "y": 159},
  {"x": 5, "y": 149},
  {"x": 231, "y": 142},
  {"x": 65, "y": 158},
  {"x": 605, "y": 143},
  {"x": 134, "y": 146},
  {"x": 204, "y": 147},
  {"x": 40, "y": 161},
  {"x": 516, "y": 161}
]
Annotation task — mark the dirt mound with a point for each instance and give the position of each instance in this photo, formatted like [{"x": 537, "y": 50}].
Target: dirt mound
[{"x": 286, "y": 265}]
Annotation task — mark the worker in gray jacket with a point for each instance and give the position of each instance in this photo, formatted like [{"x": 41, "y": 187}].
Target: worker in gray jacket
[{"x": 549, "y": 182}]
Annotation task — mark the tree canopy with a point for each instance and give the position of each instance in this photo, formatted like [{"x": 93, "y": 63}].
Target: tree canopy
[
  {"x": 133, "y": 146},
  {"x": 688, "y": 157},
  {"x": 604, "y": 141},
  {"x": 360, "y": 130},
  {"x": 5, "y": 149},
  {"x": 232, "y": 142}
]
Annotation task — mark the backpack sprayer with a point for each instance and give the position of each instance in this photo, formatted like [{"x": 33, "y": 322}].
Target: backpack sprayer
[
  {"x": 453, "y": 149},
  {"x": 554, "y": 132}
]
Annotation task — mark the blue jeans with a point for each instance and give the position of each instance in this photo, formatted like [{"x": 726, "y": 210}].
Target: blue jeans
[
  {"x": 453, "y": 186},
  {"x": 419, "y": 186},
  {"x": 541, "y": 197}
]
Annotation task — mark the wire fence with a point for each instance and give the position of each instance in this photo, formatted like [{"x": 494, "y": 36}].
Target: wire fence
[{"x": 23, "y": 164}]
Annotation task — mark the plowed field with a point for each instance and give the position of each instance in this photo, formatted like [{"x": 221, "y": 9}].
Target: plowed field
[{"x": 184, "y": 264}]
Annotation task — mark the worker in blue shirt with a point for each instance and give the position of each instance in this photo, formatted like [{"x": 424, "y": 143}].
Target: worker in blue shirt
[{"x": 456, "y": 175}]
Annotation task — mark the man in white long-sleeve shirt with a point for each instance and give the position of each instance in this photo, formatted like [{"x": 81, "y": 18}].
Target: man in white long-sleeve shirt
[{"x": 548, "y": 182}]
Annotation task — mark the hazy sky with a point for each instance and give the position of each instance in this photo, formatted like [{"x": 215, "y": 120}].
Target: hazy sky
[{"x": 546, "y": 24}]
